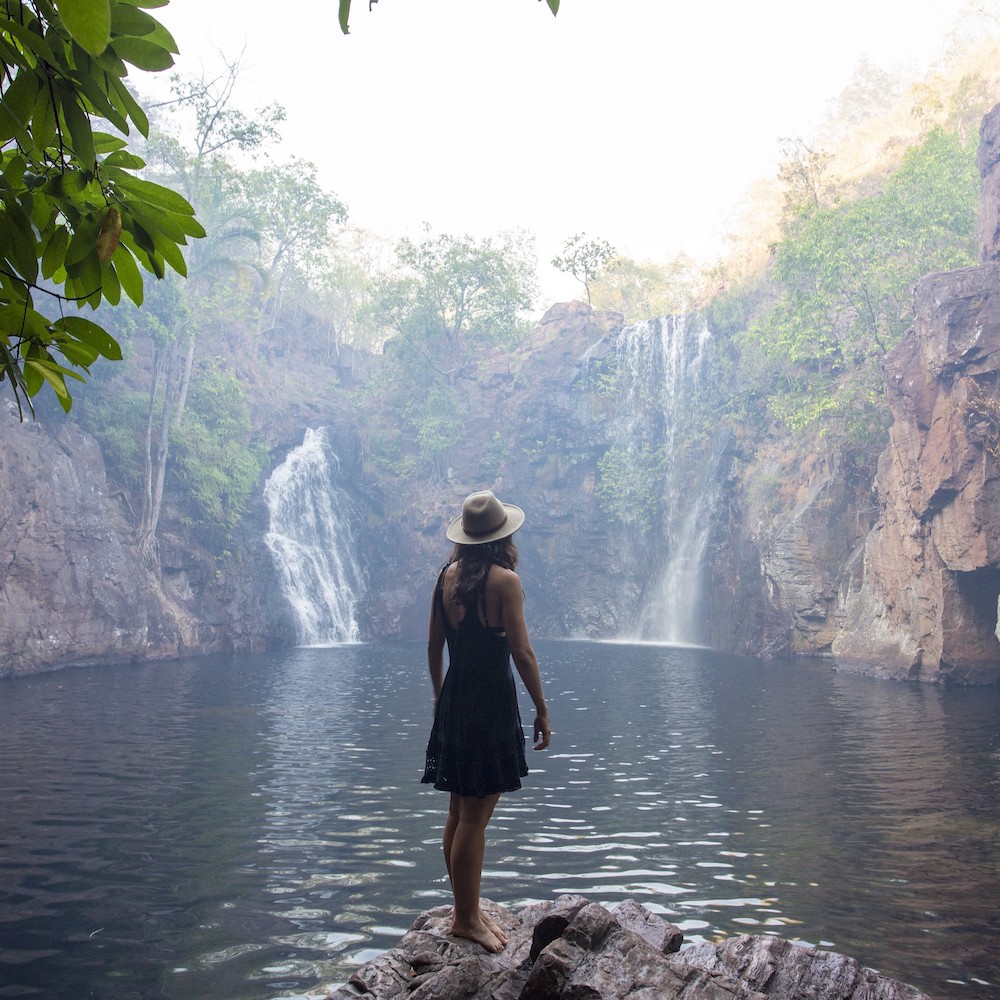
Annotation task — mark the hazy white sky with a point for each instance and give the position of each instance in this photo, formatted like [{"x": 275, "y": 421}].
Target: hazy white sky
[{"x": 641, "y": 121}]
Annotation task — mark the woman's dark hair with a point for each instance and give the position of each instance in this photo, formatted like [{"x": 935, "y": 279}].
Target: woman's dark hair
[{"x": 474, "y": 562}]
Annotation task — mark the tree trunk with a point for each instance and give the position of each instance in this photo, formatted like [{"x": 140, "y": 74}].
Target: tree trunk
[
  {"x": 154, "y": 472},
  {"x": 185, "y": 379}
]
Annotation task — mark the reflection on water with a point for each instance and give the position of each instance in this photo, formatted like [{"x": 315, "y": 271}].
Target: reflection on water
[{"x": 253, "y": 827}]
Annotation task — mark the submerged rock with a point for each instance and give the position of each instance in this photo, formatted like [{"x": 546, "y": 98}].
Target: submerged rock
[{"x": 579, "y": 950}]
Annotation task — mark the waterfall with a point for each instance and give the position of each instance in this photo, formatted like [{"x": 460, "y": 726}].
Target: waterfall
[
  {"x": 312, "y": 543},
  {"x": 659, "y": 369}
]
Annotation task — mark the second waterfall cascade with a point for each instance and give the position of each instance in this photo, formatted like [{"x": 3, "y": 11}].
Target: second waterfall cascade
[
  {"x": 313, "y": 544},
  {"x": 659, "y": 371}
]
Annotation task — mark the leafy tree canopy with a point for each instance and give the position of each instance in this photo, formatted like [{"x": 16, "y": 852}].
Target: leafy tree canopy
[
  {"x": 452, "y": 302},
  {"x": 584, "y": 259},
  {"x": 456, "y": 295},
  {"x": 843, "y": 276},
  {"x": 643, "y": 289},
  {"x": 78, "y": 224}
]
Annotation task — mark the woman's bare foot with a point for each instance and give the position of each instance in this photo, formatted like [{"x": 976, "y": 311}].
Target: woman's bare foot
[
  {"x": 493, "y": 926},
  {"x": 480, "y": 932}
]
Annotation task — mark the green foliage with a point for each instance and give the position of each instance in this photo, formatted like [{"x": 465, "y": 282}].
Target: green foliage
[
  {"x": 451, "y": 307},
  {"x": 455, "y": 303},
  {"x": 630, "y": 485},
  {"x": 496, "y": 452},
  {"x": 437, "y": 422},
  {"x": 73, "y": 211},
  {"x": 843, "y": 276},
  {"x": 116, "y": 419},
  {"x": 215, "y": 468},
  {"x": 458, "y": 295},
  {"x": 645, "y": 290},
  {"x": 387, "y": 454},
  {"x": 805, "y": 174},
  {"x": 731, "y": 309},
  {"x": 584, "y": 259},
  {"x": 292, "y": 215}
]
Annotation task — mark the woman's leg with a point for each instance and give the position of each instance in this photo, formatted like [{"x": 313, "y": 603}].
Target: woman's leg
[
  {"x": 450, "y": 825},
  {"x": 464, "y": 847}
]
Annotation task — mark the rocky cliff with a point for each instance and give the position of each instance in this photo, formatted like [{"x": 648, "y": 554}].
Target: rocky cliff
[
  {"x": 73, "y": 588},
  {"x": 538, "y": 431},
  {"x": 805, "y": 554},
  {"x": 925, "y": 606}
]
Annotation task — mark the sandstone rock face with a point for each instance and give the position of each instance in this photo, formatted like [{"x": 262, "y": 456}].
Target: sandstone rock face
[
  {"x": 799, "y": 560},
  {"x": 73, "y": 589},
  {"x": 988, "y": 161},
  {"x": 541, "y": 429},
  {"x": 578, "y": 950},
  {"x": 927, "y": 605},
  {"x": 778, "y": 563}
]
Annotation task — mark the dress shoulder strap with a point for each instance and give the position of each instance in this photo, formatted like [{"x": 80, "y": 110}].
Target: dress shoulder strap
[{"x": 481, "y": 605}]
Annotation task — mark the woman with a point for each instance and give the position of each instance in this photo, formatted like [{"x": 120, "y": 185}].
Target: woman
[{"x": 476, "y": 748}]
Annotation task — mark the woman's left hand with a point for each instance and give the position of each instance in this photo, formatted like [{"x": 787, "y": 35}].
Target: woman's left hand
[{"x": 543, "y": 731}]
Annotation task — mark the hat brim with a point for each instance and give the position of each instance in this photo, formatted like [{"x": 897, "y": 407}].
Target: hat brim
[{"x": 515, "y": 518}]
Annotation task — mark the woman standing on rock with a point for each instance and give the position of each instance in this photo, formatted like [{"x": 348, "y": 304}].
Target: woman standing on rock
[{"x": 476, "y": 747}]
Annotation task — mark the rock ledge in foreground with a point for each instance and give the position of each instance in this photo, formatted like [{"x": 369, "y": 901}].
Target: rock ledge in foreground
[{"x": 579, "y": 950}]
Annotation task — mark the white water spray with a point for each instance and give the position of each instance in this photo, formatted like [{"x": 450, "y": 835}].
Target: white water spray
[
  {"x": 660, "y": 367},
  {"x": 312, "y": 543}
]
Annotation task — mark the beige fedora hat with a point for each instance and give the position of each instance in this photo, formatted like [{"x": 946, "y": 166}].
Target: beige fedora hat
[{"x": 484, "y": 519}]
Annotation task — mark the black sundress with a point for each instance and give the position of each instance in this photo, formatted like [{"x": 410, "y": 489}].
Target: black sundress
[{"x": 476, "y": 745}]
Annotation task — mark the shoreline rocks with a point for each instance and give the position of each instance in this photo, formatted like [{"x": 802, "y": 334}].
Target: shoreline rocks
[{"x": 579, "y": 950}]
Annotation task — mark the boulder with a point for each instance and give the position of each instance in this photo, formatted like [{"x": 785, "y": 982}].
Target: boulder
[
  {"x": 783, "y": 970},
  {"x": 579, "y": 950}
]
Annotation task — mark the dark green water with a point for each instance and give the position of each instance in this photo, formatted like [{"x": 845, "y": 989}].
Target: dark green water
[{"x": 253, "y": 827}]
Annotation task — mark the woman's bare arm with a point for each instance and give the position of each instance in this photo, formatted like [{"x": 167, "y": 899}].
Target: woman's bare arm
[
  {"x": 512, "y": 619},
  {"x": 435, "y": 647}
]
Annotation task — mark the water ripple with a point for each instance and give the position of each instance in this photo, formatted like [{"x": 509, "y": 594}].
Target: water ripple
[{"x": 248, "y": 828}]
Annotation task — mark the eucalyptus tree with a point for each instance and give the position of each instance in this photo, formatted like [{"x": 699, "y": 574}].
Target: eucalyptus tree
[
  {"x": 454, "y": 303},
  {"x": 295, "y": 220},
  {"x": 198, "y": 163},
  {"x": 644, "y": 289},
  {"x": 842, "y": 276},
  {"x": 344, "y": 293},
  {"x": 457, "y": 296},
  {"x": 584, "y": 259}
]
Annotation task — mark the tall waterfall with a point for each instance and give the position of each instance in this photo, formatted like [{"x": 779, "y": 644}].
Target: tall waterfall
[
  {"x": 312, "y": 543},
  {"x": 659, "y": 371}
]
